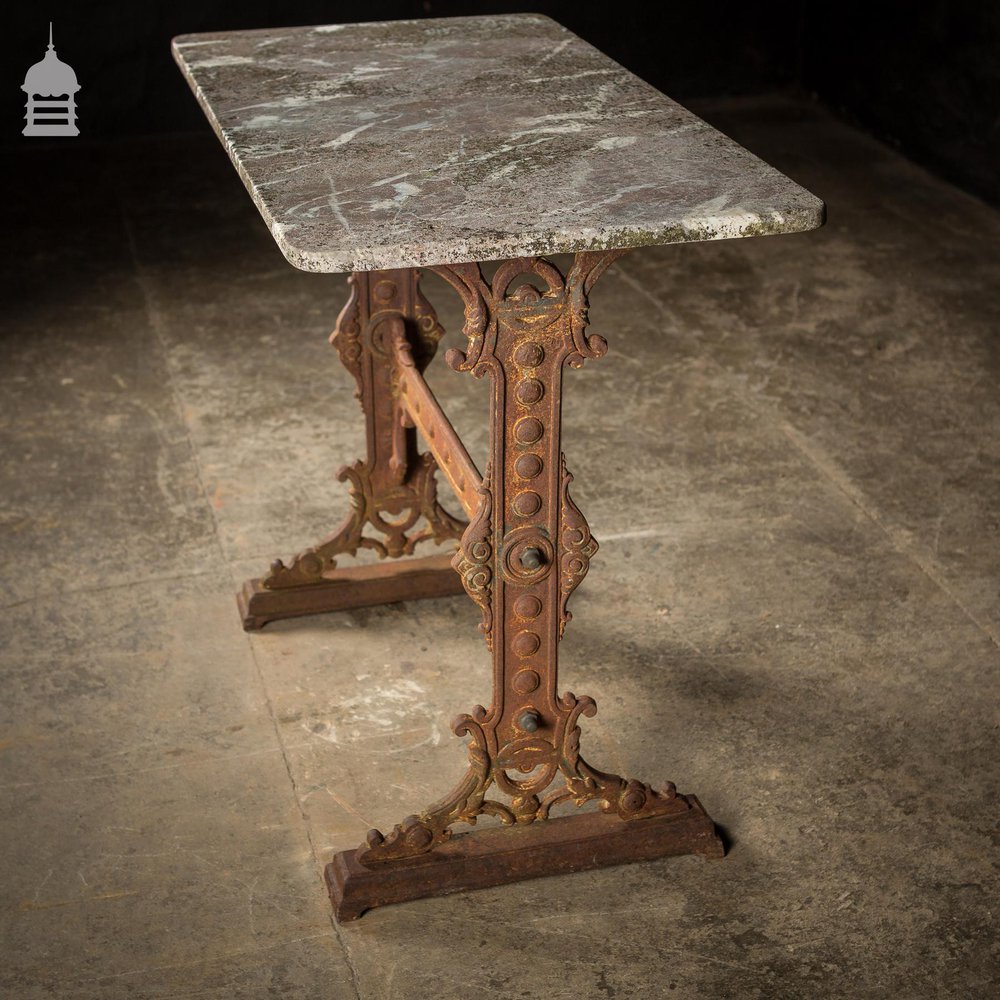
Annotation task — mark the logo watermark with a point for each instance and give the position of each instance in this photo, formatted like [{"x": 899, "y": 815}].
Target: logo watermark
[{"x": 51, "y": 87}]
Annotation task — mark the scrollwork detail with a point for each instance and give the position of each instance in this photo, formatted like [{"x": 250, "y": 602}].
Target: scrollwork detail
[
  {"x": 628, "y": 798},
  {"x": 346, "y": 336},
  {"x": 577, "y": 546},
  {"x": 480, "y": 325},
  {"x": 587, "y": 267},
  {"x": 392, "y": 512},
  {"x": 474, "y": 559},
  {"x": 487, "y": 303}
]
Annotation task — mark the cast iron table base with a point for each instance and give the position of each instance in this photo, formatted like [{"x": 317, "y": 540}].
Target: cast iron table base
[{"x": 523, "y": 552}]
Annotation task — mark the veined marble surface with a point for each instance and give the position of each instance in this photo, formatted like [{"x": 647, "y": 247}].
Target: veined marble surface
[{"x": 406, "y": 143}]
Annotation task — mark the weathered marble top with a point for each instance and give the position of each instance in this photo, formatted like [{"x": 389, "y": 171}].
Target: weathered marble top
[{"x": 406, "y": 143}]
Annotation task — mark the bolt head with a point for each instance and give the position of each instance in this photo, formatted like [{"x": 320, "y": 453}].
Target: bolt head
[
  {"x": 531, "y": 558},
  {"x": 529, "y": 720}
]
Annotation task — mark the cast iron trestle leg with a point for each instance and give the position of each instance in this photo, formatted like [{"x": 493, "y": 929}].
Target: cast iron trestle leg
[
  {"x": 524, "y": 552},
  {"x": 392, "y": 490}
]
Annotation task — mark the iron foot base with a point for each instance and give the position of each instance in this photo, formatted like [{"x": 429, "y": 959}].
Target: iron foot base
[
  {"x": 352, "y": 587},
  {"x": 501, "y": 855}
]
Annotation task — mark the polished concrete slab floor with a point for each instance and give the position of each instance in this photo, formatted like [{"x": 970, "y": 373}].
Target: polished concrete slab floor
[{"x": 791, "y": 458}]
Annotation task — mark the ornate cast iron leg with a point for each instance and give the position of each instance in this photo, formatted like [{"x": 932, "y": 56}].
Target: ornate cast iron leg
[
  {"x": 390, "y": 490},
  {"x": 522, "y": 555}
]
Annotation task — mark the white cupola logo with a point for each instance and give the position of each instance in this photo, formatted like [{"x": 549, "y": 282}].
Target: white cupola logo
[{"x": 50, "y": 86}]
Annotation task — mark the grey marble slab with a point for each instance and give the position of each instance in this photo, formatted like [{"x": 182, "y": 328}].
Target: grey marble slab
[{"x": 406, "y": 143}]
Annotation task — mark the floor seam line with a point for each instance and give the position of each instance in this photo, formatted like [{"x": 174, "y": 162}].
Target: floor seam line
[
  {"x": 145, "y": 581},
  {"x": 825, "y": 468},
  {"x": 226, "y": 565},
  {"x": 856, "y": 497},
  {"x": 348, "y": 958}
]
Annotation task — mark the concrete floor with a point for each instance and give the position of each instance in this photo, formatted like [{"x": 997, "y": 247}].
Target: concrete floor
[{"x": 797, "y": 618}]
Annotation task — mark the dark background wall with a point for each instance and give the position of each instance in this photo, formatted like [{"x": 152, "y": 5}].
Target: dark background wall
[{"x": 924, "y": 76}]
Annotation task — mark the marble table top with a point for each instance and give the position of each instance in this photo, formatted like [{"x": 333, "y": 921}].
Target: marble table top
[{"x": 407, "y": 143}]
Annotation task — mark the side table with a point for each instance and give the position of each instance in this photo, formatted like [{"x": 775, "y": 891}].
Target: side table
[{"x": 381, "y": 149}]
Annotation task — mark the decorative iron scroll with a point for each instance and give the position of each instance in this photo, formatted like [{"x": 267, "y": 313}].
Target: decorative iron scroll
[
  {"x": 489, "y": 764},
  {"x": 473, "y": 561}
]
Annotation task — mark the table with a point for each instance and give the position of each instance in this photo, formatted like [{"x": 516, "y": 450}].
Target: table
[{"x": 439, "y": 144}]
